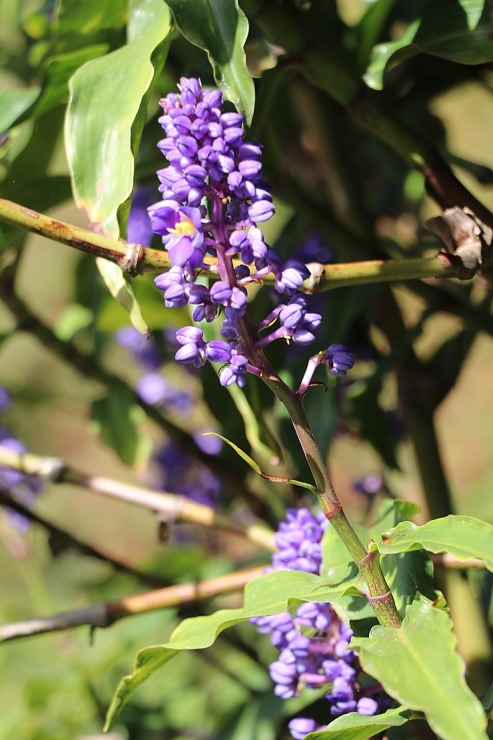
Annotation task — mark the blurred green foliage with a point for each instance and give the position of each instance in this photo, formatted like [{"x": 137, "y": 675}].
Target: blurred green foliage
[{"x": 350, "y": 96}]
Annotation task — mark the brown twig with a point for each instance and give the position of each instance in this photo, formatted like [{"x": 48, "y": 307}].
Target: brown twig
[
  {"x": 60, "y": 539},
  {"x": 105, "y": 614},
  {"x": 170, "y": 506}
]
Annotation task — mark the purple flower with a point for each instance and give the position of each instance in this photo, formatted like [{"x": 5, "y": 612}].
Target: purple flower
[
  {"x": 291, "y": 277},
  {"x": 338, "y": 359},
  {"x": 235, "y": 372},
  {"x": 21, "y": 487},
  {"x": 181, "y": 231},
  {"x": 193, "y": 346},
  {"x": 212, "y": 197},
  {"x": 301, "y": 726},
  {"x": 313, "y": 642},
  {"x": 298, "y": 541},
  {"x": 5, "y": 400},
  {"x": 139, "y": 229},
  {"x": 369, "y": 484}
]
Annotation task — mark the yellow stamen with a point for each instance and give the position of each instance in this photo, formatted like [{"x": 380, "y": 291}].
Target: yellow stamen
[{"x": 183, "y": 228}]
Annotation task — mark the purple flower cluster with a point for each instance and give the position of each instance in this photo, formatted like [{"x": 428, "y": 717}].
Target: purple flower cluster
[
  {"x": 21, "y": 487},
  {"x": 299, "y": 542},
  {"x": 313, "y": 642},
  {"x": 213, "y": 197}
]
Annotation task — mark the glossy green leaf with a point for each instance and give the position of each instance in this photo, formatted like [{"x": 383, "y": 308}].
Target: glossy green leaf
[
  {"x": 105, "y": 97},
  {"x": 407, "y": 573},
  {"x": 461, "y": 536},
  {"x": 14, "y": 103},
  {"x": 388, "y": 55},
  {"x": 354, "y": 726},
  {"x": 59, "y": 69},
  {"x": 220, "y": 28},
  {"x": 417, "y": 664},
  {"x": 272, "y": 593},
  {"x": 369, "y": 28},
  {"x": 459, "y": 30}
]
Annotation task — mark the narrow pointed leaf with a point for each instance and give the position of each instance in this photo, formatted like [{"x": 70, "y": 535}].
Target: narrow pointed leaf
[
  {"x": 272, "y": 593},
  {"x": 417, "y": 664},
  {"x": 461, "y": 536},
  {"x": 251, "y": 462},
  {"x": 220, "y": 28}
]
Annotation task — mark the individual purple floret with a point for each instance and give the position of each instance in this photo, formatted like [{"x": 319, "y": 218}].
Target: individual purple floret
[
  {"x": 338, "y": 359},
  {"x": 313, "y": 641}
]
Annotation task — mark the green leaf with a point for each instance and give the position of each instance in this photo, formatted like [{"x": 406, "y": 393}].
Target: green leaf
[
  {"x": 417, "y": 665},
  {"x": 105, "y": 97},
  {"x": 91, "y": 16},
  {"x": 461, "y": 536},
  {"x": 388, "y": 55},
  {"x": 14, "y": 103},
  {"x": 220, "y": 28},
  {"x": 272, "y": 593},
  {"x": 369, "y": 29},
  {"x": 59, "y": 69},
  {"x": 354, "y": 726},
  {"x": 458, "y": 30},
  {"x": 115, "y": 416}
]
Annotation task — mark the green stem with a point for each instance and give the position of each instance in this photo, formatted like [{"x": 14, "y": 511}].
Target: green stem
[
  {"x": 135, "y": 259},
  {"x": 379, "y": 594}
]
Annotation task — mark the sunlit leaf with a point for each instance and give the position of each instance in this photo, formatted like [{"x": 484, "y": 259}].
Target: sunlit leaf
[
  {"x": 106, "y": 95},
  {"x": 272, "y": 593},
  {"x": 354, "y": 726},
  {"x": 461, "y": 536},
  {"x": 417, "y": 664},
  {"x": 59, "y": 69},
  {"x": 220, "y": 28}
]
